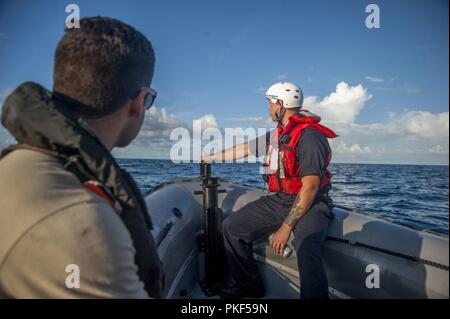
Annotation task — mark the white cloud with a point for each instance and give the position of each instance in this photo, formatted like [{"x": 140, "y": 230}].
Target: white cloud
[
  {"x": 425, "y": 124},
  {"x": 341, "y": 106},
  {"x": 160, "y": 116},
  {"x": 207, "y": 121},
  {"x": 408, "y": 136},
  {"x": 153, "y": 140},
  {"x": 392, "y": 114},
  {"x": 342, "y": 148},
  {"x": 158, "y": 124},
  {"x": 154, "y": 137},
  {"x": 374, "y": 79},
  {"x": 438, "y": 149},
  {"x": 409, "y": 125}
]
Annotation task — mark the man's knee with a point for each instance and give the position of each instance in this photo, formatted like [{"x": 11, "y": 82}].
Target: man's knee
[{"x": 230, "y": 224}]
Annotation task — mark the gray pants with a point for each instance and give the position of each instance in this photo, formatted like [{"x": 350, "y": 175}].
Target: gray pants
[{"x": 261, "y": 218}]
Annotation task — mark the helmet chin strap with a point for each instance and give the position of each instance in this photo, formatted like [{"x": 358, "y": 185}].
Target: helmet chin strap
[{"x": 280, "y": 115}]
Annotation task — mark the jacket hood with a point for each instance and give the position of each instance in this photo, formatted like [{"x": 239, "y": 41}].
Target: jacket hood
[{"x": 34, "y": 117}]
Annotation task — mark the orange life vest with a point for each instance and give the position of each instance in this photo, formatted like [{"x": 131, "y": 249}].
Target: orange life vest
[{"x": 286, "y": 177}]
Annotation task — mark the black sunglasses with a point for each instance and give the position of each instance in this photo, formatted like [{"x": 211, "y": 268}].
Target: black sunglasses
[{"x": 149, "y": 98}]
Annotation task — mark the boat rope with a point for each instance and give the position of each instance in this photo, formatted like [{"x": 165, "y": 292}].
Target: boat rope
[{"x": 392, "y": 253}]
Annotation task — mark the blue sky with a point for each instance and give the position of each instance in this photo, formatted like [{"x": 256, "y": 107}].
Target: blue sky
[{"x": 216, "y": 58}]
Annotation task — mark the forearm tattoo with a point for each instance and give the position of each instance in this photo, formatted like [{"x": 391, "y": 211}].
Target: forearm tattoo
[{"x": 297, "y": 211}]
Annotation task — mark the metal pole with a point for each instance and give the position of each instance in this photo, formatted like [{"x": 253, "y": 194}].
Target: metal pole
[{"x": 214, "y": 252}]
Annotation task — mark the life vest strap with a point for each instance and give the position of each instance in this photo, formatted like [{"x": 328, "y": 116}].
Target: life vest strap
[
  {"x": 99, "y": 190},
  {"x": 285, "y": 147}
]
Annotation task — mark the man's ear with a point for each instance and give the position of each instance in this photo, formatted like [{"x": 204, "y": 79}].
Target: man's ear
[
  {"x": 280, "y": 107},
  {"x": 136, "y": 104},
  {"x": 280, "y": 103}
]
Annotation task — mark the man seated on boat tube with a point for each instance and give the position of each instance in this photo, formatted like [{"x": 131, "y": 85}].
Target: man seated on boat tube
[
  {"x": 73, "y": 224},
  {"x": 298, "y": 155}
]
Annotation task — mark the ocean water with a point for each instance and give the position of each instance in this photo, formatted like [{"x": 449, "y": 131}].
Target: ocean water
[{"x": 414, "y": 195}]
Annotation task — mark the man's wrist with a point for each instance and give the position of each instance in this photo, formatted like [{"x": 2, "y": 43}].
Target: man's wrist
[{"x": 289, "y": 223}]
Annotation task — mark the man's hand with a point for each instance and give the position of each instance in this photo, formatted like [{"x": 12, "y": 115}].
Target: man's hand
[
  {"x": 207, "y": 158},
  {"x": 280, "y": 238}
]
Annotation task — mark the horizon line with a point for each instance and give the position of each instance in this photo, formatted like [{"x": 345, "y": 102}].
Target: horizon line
[{"x": 191, "y": 162}]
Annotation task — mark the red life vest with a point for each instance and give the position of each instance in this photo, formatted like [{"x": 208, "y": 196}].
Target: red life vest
[{"x": 286, "y": 178}]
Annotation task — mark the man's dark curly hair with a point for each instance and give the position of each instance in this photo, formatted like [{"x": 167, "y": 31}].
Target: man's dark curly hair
[{"x": 102, "y": 64}]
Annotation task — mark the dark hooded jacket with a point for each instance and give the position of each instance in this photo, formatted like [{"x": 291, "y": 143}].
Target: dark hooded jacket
[{"x": 41, "y": 122}]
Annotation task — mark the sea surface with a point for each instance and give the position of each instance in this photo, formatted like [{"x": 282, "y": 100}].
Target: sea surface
[{"x": 414, "y": 195}]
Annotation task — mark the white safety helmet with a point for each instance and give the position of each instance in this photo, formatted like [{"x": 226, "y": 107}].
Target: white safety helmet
[{"x": 289, "y": 93}]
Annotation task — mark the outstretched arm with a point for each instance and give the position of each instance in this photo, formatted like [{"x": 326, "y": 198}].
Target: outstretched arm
[
  {"x": 255, "y": 147},
  {"x": 233, "y": 153}
]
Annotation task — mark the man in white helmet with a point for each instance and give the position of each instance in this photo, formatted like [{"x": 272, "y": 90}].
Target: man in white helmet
[{"x": 298, "y": 155}]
